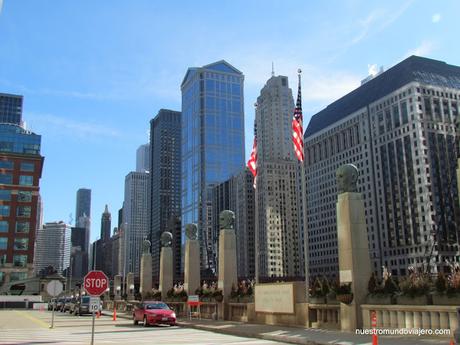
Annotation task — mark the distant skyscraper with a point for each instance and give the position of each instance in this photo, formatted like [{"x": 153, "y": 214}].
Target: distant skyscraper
[
  {"x": 106, "y": 224},
  {"x": 143, "y": 158},
  {"x": 53, "y": 247},
  {"x": 135, "y": 218},
  {"x": 165, "y": 177},
  {"x": 212, "y": 143},
  {"x": 279, "y": 246},
  {"x": 237, "y": 194},
  {"x": 20, "y": 171},
  {"x": 11, "y": 109},
  {"x": 78, "y": 256},
  {"x": 83, "y": 213},
  {"x": 399, "y": 130}
]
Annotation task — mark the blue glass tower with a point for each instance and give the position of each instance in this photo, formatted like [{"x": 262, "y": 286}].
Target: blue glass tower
[{"x": 212, "y": 144}]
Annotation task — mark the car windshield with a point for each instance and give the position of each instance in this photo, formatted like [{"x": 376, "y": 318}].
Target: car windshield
[
  {"x": 156, "y": 306},
  {"x": 68, "y": 299},
  {"x": 85, "y": 300}
]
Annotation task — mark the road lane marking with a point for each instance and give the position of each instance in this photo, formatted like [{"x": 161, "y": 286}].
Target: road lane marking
[{"x": 33, "y": 319}]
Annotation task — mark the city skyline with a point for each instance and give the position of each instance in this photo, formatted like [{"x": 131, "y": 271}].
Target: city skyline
[{"x": 81, "y": 107}]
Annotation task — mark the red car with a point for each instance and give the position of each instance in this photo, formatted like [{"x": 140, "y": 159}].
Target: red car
[{"x": 154, "y": 313}]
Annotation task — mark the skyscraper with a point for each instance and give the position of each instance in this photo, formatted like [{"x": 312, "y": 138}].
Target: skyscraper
[
  {"x": 20, "y": 171},
  {"x": 83, "y": 213},
  {"x": 143, "y": 158},
  {"x": 212, "y": 143},
  {"x": 106, "y": 224},
  {"x": 53, "y": 247},
  {"x": 399, "y": 130},
  {"x": 165, "y": 177},
  {"x": 135, "y": 218},
  {"x": 11, "y": 109},
  {"x": 279, "y": 248}
]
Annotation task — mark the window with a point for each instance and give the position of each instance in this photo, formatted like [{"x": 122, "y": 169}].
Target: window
[
  {"x": 21, "y": 244},
  {"x": 6, "y": 179},
  {"x": 4, "y": 210},
  {"x": 6, "y": 165},
  {"x": 3, "y": 243},
  {"x": 24, "y": 211},
  {"x": 5, "y": 194},
  {"x": 19, "y": 260},
  {"x": 2, "y": 259},
  {"x": 22, "y": 227},
  {"x": 18, "y": 276},
  {"x": 27, "y": 166},
  {"x": 4, "y": 226},
  {"x": 26, "y": 180},
  {"x": 24, "y": 196}
]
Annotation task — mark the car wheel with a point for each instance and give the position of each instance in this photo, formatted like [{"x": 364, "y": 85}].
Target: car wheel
[
  {"x": 145, "y": 322},
  {"x": 135, "y": 322}
]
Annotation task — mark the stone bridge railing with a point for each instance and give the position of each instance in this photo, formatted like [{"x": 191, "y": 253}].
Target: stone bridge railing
[{"x": 324, "y": 316}]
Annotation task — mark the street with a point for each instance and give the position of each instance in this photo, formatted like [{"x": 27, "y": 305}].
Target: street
[{"x": 32, "y": 327}]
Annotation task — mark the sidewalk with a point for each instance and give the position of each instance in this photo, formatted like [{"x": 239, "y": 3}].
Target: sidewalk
[{"x": 297, "y": 335}]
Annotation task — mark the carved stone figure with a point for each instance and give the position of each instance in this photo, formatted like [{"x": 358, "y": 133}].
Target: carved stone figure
[
  {"x": 191, "y": 231},
  {"x": 226, "y": 219},
  {"x": 146, "y": 247},
  {"x": 166, "y": 239},
  {"x": 347, "y": 177}
]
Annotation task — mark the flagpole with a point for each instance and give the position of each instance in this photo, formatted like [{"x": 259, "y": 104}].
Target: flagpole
[
  {"x": 256, "y": 210},
  {"x": 304, "y": 211}
]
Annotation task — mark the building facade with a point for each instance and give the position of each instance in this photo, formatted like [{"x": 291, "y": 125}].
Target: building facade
[
  {"x": 83, "y": 213},
  {"x": 53, "y": 247},
  {"x": 143, "y": 158},
  {"x": 279, "y": 248},
  {"x": 11, "y": 109},
  {"x": 212, "y": 144},
  {"x": 237, "y": 194},
  {"x": 78, "y": 256},
  {"x": 20, "y": 171},
  {"x": 399, "y": 130},
  {"x": 165, "y": 177},
  {"x": 135, "y": 218}
]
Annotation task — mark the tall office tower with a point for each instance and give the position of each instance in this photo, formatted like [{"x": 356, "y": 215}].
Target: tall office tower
[
  {"x": 135, "y": 218},
  {"x": 165, "y": 177},
  {"x": 279, "y": 248},
  {"x": 143, "y": 158},
  {"x": 106, "y": 224},
  {"x": 53, "y": 247},
  {"x": 120, "y": 218},
  {"x": 237, "y": 194},
  {"x": 78, "y": 256},
  {"x": 115, "y": 247},
  {"x": 399, "y": 130},
  {"x": 212, "y": 143},
  {"x": 20, "y": 171},
  {"x": 83, "y": 213},
  {"x": 11, "y": 109}
]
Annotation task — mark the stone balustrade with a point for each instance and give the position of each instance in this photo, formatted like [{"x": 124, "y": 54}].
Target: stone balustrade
[
  {"x": 238, "y": 312},
  {"x": 208, "y": 310},
  {"x": 324, "y": 316},
  {"x": 411, "y": 316}
]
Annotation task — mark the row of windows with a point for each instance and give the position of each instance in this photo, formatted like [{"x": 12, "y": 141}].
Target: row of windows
[
  {"x": 22, "y": 211},
  {"x": 14, "y": 276},
  {"x": 25, "y": 166},
  {"x": 18, "y": 260},
  {"x": 20, "y": 227},
  {"x": 18, "y": 243},
  {"x": 24, "y": 180},
  {"x": 22, "y": 196}
]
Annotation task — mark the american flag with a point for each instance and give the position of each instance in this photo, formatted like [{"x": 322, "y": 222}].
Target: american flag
[
  {"x": 297, "y": 129},
  {"x": 252, "y": 162}
]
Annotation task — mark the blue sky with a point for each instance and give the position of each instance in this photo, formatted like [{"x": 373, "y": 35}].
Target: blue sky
[{"x": 93, "y": 73}]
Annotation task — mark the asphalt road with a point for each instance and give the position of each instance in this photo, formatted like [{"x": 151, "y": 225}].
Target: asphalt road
[{"x": 24, "y": 327}]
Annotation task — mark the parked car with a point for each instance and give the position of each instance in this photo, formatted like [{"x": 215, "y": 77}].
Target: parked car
[
  {"x": 153, "y": 313},
  {"x": 60, "y": 303},
  {"x": 81, "y": 306},
  {"x": 52, "y": 304},
  {"x": 67, "y": 303}
]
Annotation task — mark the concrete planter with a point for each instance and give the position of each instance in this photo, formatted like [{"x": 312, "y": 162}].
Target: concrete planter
[
  {"x": 331, "y": 298},
  {"x": 317, "y": 300},
  {"x": 379, "y": 299},
  {"x": 408, "y": 300},
  {"x": 443, "y": 299}
]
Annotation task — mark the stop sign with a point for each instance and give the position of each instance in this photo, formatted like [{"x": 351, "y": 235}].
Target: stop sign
[{"x": 95, "y": 283}]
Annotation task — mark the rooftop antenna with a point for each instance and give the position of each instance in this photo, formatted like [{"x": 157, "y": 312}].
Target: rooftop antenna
[{"x": 273, "y": 69}]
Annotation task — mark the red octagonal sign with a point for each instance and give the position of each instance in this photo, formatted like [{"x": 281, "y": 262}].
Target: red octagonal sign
[{"x": 95, "y": 283}]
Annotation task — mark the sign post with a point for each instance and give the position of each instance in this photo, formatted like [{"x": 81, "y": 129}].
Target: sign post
[
  {"x": 54, "y": 288},
  {"x": 95, "y": 283}
]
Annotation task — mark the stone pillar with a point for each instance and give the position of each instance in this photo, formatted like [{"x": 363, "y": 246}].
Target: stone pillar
[
  {"x": 130, "y": 286},
  {"x": 227, "y": 258},
  {"x": 117, "y": 287},
  {"x": 354, "y": 260},
  {"x": 192, "y": 279},
  {"x": 166, "y": 270},
  {"x": 146, "y": 273},
  {"x": 458, "y": 176}
]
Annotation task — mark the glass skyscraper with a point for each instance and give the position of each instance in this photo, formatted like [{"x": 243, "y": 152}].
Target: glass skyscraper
[
  {"x": 11, "y": 108},
  {"x": 212, "y": 143}
]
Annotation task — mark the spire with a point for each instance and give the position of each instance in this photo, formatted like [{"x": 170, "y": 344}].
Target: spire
[
  {"x": 273, "y": 69},
  {"x": 106, "y": 210}
]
